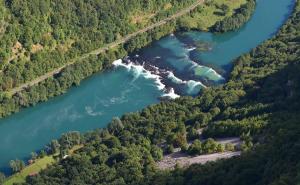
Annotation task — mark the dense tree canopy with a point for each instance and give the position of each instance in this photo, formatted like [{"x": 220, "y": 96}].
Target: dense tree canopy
[
  {"x": 238, "y": 19},
  {"x": 39, "y": 36},
  {"x": 38, "y": 40},
  {"x": 260, "y": 103}
]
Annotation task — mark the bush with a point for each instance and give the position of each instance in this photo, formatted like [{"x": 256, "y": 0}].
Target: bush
[
  {"x": 156, "y": 153},
  {"x": 193, "y": 134},
  {"x": 195, "y": 148},
  {"x": 169, "y": 149},
  {"x": 229, "y": 147},
  {"x": 209, "y": 146}
]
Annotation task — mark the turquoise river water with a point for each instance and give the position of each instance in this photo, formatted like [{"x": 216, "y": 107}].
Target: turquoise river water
[{"x": 180, "y": 64}]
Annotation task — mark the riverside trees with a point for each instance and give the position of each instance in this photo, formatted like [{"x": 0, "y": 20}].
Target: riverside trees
[
  {"x": 52, "y": 41},
  {"x": 39, "y": 36},
  {"x": 17, "y": 165},
  {"x": 2, "y": 178},
  {"x": 261, "y": 98},
  {"x": 238, "y": 19}
]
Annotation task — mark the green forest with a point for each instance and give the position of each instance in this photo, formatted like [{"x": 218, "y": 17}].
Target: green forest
[
  {"x": 38, "y": 40},
  {"x": 259, "y": 103},
  {"x": 39, "y": 36}
]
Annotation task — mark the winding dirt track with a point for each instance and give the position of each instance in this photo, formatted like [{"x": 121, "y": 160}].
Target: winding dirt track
[{"x": 107, "y": 47}]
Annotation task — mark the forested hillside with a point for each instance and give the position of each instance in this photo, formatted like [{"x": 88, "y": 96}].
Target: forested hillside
[
  {"x": 239, "y": 18},
  {"x": 261, "y": 98},
  {"x": 41, "y": 36}
]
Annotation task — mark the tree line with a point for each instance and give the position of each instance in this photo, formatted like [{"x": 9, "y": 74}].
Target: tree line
[
  {"x": 19, "y": 72},
  {"x": 39, "y": 36},
  {"x": 237, "y": 20},
  {"x": 259, "y": 100},
  {"x": 259, "y": 103}
]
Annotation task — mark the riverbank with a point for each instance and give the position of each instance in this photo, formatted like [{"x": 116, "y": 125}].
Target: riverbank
[
  {"x": 44, "y": 88},
  {"x": 137, "y": 131},
  {"x": 37, "y": 166},
  {"x": 75, "y": 100},
  {"x": 105, "y": 48}
]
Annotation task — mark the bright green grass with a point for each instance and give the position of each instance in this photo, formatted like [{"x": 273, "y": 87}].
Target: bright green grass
[
  {"x": 207, "y": 17},
  {"x": 36, "y": 167},
  {"x": 32, "y": 169}
]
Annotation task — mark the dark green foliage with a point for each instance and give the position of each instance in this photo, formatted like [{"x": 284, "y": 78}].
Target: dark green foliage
[
  {"x": 229, "y": 147},
  {"x": 156, "y": 152},
  {"x": 169, "y": 149},
  {"x": 260, "y": 101},
  {"x": 238, "y": 19},
  {"x": 275, "y": 162},
  {"x": 72, "y": 75},
  {"x": 66, "y": 38},
  {"x": 192, "y": 134},
  {"x": 246, "y": 142},
  {"x": 16, "y": 165},
  {"x": 68, "y": 140},
  {"x": 53, "y": 32},
  {"x": 42, "y": 154},
  {"x": 195, "y": 148},
  {"x": 209, "y": 146},
  {"x": 2, "y": 178},
  {"x": 116, "y": 126},
  {"x": 54, "y": 146}
]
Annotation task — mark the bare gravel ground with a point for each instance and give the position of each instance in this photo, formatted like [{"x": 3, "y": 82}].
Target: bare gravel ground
[{"x": 184, "y": 160}]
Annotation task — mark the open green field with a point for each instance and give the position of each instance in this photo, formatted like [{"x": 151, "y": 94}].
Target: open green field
[
  {"x": 209, "y": 13},
  {"x": 32, "y": 169}
]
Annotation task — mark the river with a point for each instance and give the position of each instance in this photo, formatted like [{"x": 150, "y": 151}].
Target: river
[{"x": 179, "y": 64}]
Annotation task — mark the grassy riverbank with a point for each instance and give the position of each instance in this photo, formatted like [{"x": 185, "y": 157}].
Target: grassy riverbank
[
  {"x": 206, "y": 15},
  {"x": 33, "y": 169},
  {"x": 36, "y": 167}
]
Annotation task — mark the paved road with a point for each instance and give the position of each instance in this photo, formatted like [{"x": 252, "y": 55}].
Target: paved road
[{"x": 106, "y": 47}]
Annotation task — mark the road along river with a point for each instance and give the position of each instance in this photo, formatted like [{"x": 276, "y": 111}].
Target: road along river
[{"x": 180, "y": 64}]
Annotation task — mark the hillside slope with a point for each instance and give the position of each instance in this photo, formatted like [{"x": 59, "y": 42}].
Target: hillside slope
[
  {"x": 47, "y": 47},
  {"x": 261, "y": 98}
]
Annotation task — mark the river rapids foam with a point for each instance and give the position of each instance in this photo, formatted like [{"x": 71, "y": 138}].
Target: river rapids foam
[{"x": 160, "y": 77}]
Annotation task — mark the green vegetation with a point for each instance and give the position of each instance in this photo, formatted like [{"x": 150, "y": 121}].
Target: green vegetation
[
  {"x": 41, "y": 36},
  {"x": 43, "y": 160},
  {"x": 209, "y": 146},
  {"x": 59, "y": 39},
  {"x": 205, "y": 16},
  {"x": 17, "y": 165},
  {"x": 32, "y": 169},
  {"x": 2, "y": 178},
  {"x": 238, "y": 19},
  {"x": 260, "y": 103}
]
